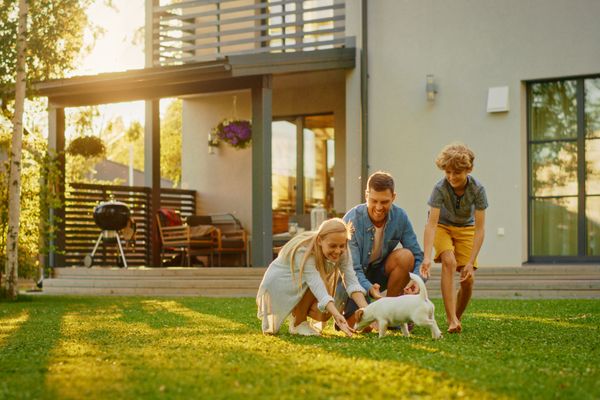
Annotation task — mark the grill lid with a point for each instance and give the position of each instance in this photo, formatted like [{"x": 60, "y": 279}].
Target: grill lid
[{"x": 111, "y": 215}]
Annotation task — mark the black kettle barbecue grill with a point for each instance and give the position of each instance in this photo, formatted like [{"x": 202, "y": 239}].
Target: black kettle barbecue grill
[{"x": 112, "y": 217}]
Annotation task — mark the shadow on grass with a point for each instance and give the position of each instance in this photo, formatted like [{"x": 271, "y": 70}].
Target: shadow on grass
[
  {"x": 213, "y": 348},
  {"x": 510, "y": 348},
  {"x": 533, "y": 351},
  {"x": 213, "y": 355},
  {"x": 151, "y": 313},
  {"x": 25, "y": 353}
]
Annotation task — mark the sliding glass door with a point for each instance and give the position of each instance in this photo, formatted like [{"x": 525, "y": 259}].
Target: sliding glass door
[
  {"x": 303, "y": 161},
  {"x": 564, "y": 169}
]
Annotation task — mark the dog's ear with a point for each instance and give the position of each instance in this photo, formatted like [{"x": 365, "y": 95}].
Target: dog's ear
[{"x": 359, "y": 314}]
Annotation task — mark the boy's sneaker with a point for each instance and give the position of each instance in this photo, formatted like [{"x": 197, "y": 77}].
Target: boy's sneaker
[{"x": 304, "y": 329}]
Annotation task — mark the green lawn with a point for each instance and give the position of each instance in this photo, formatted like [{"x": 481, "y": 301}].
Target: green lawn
[{"x": 129, "y": 348}]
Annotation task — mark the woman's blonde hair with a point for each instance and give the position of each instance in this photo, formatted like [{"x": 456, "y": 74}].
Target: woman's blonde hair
[
  {"x": 455, "y": 156},
  {"x": 308, "y": 240}
]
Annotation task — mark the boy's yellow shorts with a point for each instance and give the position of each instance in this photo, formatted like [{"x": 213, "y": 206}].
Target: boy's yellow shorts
[{"x": 458, "y": 239}]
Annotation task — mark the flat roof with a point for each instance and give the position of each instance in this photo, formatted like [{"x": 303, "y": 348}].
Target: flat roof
[{"x": 230, "y": 73}]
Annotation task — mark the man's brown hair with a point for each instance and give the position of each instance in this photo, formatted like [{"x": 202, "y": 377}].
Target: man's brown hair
[{"x": 380, "y": 181}]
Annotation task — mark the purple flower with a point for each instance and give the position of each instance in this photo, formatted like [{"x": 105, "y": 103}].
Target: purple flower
[{"x": 238, "y": 133}]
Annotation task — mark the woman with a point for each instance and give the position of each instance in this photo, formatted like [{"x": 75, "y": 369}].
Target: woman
[{"x": 301, "y": 281}]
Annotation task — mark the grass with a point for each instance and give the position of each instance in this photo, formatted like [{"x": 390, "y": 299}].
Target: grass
[{"x": 160, "y": 348}]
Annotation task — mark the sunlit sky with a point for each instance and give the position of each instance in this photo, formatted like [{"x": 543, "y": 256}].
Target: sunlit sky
[{"x": 114, "y": 51}]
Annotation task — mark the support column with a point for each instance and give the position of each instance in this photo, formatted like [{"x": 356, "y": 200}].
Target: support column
[
  {"x": 56, "y": 144},
  {"x": 299, "y": 166},
  {"x": 152, "y": 172},
  {"x": 150, "y": 58},
  {"x": 262, "y": 213},
  {"x": 152, "y": 139}
]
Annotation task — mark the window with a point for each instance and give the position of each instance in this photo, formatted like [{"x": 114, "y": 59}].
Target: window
[
  {"x": 303, "y": 151},
  {"x": 564, "y": 169}
]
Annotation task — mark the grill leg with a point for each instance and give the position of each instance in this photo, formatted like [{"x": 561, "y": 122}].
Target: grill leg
[
  {"x": 121, "y": 250},
  {"x": 97, "y": 244}
]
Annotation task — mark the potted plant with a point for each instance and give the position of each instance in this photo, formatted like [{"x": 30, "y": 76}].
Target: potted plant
[
  {"x": 87, "y": 146},
  {"x": 235, "y": 132}
]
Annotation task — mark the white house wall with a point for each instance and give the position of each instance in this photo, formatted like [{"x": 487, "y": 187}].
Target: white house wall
[
  {"x": 223, "y": 180},
  {"x": 354, "y": 192},
  {"x": 469, "y": 46}
]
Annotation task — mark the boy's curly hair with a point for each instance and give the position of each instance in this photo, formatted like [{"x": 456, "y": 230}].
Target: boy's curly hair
[{"x": 455, "y": 156}]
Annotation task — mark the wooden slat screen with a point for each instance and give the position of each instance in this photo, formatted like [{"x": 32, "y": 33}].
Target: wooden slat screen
[
  {"x": 203, "y": 30},
  {"x": 81, "y": 231}
]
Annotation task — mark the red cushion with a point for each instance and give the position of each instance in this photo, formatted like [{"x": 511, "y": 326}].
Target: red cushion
[{"x": 169, "y": 217}]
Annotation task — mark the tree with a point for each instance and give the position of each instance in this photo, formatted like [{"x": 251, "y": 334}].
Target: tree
[
  {"x": 39, "y": 40},
  {"x": 14, "y": 181}
]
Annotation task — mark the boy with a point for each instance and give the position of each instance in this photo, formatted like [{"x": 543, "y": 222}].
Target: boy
[{"x": 455, "y": 228}]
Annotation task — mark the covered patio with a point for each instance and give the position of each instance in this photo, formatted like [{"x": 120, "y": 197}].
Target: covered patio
[{"x": 252, "y": 72}]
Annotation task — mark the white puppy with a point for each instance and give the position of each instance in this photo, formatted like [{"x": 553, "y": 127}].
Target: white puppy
[{"x": 393, "y": 311}]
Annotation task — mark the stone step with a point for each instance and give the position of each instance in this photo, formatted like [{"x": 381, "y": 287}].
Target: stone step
[
  {"x": 538, "y": 285},
  {"x": 528, "y": 294},
  {"x": 548, "y": 281},
  {"x": 495, "y": 284},
  {"x": 119, "y": 291},
  {"x": 183, "y": 273},
  {"x": 154, "y": 283}
]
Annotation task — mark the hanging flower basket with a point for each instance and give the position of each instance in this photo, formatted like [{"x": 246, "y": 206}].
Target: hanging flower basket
[
  {"x": 87, "y": 146},
  {"x": 235, "y": 132}
]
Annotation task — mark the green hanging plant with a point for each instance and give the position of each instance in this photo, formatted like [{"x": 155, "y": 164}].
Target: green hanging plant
[{"x": 87, "y": 147}]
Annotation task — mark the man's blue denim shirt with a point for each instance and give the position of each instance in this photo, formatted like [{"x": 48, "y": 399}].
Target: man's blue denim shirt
[{"x": 398, "y": 229}]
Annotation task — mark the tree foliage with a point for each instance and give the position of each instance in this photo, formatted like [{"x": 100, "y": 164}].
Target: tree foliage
[
  {"x": 50, "y": 36},
  {"x": 554, "y": 118},
  {"x": 554, "y": 130},
  {"x": 54, "y": 40},
  {"x": 39, "y": 181},
  {"x": 170, "y": 144}
]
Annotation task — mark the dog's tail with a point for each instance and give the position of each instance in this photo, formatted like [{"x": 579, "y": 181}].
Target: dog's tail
[{"x": 422, "y": 288}]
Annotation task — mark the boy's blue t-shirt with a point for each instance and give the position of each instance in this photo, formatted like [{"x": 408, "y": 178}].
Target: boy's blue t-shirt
[{"x": 458, "y": 210}]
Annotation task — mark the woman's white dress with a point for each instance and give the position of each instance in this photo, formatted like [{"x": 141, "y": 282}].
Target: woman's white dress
[{"x": 279, "y": 292}]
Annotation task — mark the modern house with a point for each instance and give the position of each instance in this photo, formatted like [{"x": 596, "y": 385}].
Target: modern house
[{"x": 339, "y": 89}]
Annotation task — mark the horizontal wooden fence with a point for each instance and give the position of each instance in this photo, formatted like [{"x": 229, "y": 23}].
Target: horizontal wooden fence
[{"x": 81, "y": 232}]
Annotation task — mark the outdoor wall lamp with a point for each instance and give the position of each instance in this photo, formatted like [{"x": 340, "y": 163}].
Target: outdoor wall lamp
[
  {"x": 430, "y": 87},
  {"x": 213, "y": 142}
]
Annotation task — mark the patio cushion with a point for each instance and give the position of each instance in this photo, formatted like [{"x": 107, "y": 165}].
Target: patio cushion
[{"x": 169, "y": 217}]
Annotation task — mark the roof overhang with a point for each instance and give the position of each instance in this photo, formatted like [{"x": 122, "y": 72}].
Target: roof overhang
[{"x": 231, "y": 73}]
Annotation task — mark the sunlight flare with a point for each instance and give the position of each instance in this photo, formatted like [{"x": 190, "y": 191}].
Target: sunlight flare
[
  {"x": 543, "y": 320},
  {"x": 194, "y": 316}
]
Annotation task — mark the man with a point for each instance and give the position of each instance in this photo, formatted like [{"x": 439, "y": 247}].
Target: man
[{"x": 384, "y": 247}]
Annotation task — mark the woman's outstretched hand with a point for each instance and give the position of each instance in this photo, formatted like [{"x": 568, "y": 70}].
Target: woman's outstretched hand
[{"x": 343, "y": 325}]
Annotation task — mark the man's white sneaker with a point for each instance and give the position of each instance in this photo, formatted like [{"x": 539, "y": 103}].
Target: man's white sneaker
[{"x": 304, "y": 329}]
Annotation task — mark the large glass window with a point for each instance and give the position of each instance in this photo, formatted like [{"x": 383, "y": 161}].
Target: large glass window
[
  {"x": 303, "y": 151},
  {"x": 564, "y": 169}
]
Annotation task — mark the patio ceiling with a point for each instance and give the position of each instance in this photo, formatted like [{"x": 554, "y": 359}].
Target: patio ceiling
[{"x": 230, "y": 73}]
